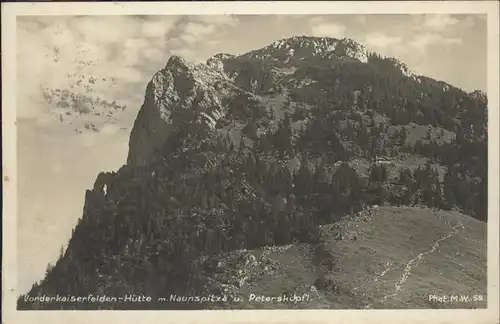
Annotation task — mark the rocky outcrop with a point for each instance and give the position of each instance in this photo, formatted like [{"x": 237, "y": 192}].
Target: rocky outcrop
[
  {"x": 179, "y": 94},
  {"x": 183, "y": 92},
  {"x": 479, "y": 95},
  {"x": 292, "y": 50}
]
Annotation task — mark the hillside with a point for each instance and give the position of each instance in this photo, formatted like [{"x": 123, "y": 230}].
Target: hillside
[
  {"x": 389, "y": 257},
  {"x": 272, "y": 148}
]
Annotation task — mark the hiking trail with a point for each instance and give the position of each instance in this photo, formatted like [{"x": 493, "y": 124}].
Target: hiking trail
[{"x": 398, "y": 286}]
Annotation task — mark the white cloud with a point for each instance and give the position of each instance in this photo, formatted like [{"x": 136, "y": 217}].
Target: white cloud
[
  {"x": 218, "y": 20},
  {"x": 109, "y": 129},
  {"x": 128, "y": 74},
  {"x": 88, "y": 139},
  {"x": 155, "y": 54},
  {"x": 380, "y": 40},
  {"x": 423, "y": 41},
  {"x": 156, "y": 27},
  {"x": 102, "y": 30},
  {"x": 57, "y": 168},
  {"x": 322, "y": 28},
  {"x": 360, "y": 19},
  {"x": 189, "y": 39},
  {"x": 439, "y": 21},
  {"x": 213, "y": 42},
  {"x": 188, "y": 54},
  {"x": 470, "y": 21},
  {"x": 106, "y": 48},
  {"x": 193, "y": 32},
  {"x": 199, "y": 30}
]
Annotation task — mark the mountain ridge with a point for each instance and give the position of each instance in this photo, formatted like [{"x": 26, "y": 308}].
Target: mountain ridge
[
  {"x": 217, "y": 72},
  {"x": 262, "y": 149}
]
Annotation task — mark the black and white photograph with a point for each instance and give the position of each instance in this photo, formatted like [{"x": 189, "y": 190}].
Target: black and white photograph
[{"x": 232, "y": 161}]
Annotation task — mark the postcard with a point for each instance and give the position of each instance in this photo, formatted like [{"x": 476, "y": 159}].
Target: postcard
[{"x": 283, "y": 162}]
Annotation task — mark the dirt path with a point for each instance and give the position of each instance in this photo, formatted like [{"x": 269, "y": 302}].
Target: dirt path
[{"x": 398, "y": 286}]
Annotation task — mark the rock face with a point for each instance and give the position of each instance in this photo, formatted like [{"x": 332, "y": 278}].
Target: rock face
[
  {"x": 183, "y": 92},
  {"x": 479, "y": 95},
  {"x": 259, "y": 150},
  {"x": 294, "y": 49},
  {"x": 180, "y": 93}
]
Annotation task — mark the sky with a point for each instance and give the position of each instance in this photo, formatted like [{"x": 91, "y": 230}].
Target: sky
[{"x": 56, "y": 165}]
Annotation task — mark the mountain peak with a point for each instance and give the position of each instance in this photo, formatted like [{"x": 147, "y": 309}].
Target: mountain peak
[
  {"x": 302, "y": 47},
  {"x": 478, "y": 95},
  {"x": 177, "y": 61},
  {"x": 303, "y": 40},
  {"x": 216, "y": 62}
]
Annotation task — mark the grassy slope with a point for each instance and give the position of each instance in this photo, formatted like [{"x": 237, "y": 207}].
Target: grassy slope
[{"x": 399, "y": 257}]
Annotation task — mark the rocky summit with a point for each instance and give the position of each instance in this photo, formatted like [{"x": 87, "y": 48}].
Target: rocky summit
[{"x": 310, "y": 173}]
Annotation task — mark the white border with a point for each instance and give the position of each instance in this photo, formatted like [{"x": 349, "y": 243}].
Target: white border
[{"x": 11, "y": 10}]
